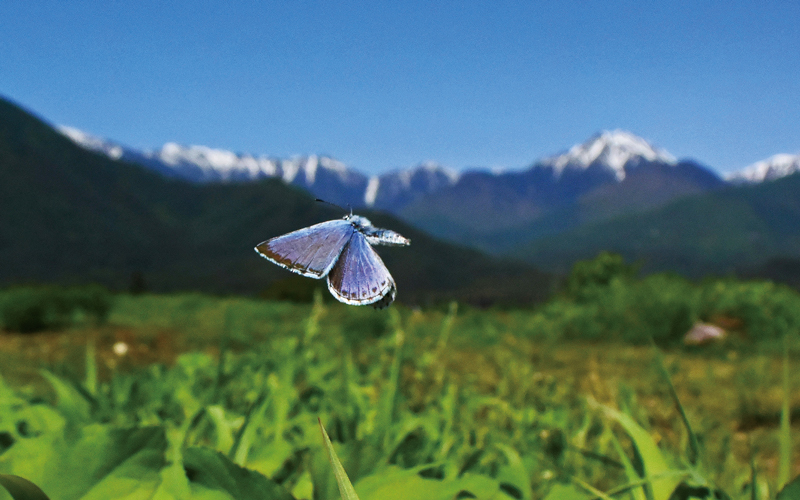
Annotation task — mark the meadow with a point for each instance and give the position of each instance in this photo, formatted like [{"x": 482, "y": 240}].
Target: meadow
[{"x": 195, "y": 396}]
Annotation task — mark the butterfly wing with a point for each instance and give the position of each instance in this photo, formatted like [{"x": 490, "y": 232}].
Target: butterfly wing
[
  {"x": 311, "y": 251},
  {"x": 360, "y": 277}
]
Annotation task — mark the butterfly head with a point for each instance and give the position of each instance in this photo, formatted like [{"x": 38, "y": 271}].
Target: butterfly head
[
  {"x": 375, "y": 235},
  {"x": 358, "y": 222}
]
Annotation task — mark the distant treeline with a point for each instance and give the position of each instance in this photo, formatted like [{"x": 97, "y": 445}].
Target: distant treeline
[
  {"x": 604, "y": 299},
  {"x": 35, "y": 308}
]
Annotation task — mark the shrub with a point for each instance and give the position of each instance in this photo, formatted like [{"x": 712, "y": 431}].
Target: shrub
[
  {"x": 589, "y": 277},
  {"x": 32, "y": 309},
  {"x": 604, "y": 301},
  {"x": 765, "y": 310},
  {"x": 93, "y": 300}
]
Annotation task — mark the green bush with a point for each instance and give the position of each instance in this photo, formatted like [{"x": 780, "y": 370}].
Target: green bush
[
  {"x": 590, "y": 277},
  {"x": 32, "y": 309},
  {"x": 663, "y": 307},
  {"x": 93, "y": 300},
  {"x": 603, "y": 300},
  {"x": 765, "y": 310}
]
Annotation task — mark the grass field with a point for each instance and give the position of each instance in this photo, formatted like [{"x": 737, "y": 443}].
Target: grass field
[{"x": 420, "y": 404}]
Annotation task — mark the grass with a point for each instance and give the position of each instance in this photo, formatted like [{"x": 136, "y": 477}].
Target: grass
[{"x": 465, "y": 396}]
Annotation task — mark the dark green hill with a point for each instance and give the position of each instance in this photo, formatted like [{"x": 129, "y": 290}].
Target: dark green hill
[
  {"x": 734, "y": 230},
  {"x": 495, "y": 213},
  {"x": 72, "y": 216}
]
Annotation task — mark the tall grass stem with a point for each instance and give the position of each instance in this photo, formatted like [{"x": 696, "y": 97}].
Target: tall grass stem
[{"x": 785, "y": 435}]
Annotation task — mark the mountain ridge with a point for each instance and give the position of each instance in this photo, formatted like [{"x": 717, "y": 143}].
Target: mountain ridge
[
  {"x": 611, "y": 147},
  {"x": 770, "y": 169},
  {"x": 738, "y": 230},
  {"x": 676, "y": 215},
  {"x": 75, "y": 216},
  {"x": 492, "y": 211},
  {"x": 203, "y": 164}
]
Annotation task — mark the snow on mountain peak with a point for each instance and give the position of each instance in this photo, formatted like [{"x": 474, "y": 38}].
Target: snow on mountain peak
[
  {"x": 202, "y": 156},
  {"x": 214, "y": 163},
  {"x": 429, "y": 169},
  {"x": 91, "y": 142},
  {"x": 335, "y": 166},
  {"x": 611, "y": 148},
  {"x": 372, "y": 190},
  {"x": 434, "y": 168},
  {"x": 772, "y": 168},
  {"x": 426, "y": 177},
  {"x": 310, "y": 168}
]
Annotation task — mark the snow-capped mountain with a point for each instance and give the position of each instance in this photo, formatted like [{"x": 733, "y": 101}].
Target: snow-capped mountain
[
  {"x": 612, "y": 173},
  {"x": 400, "y": 187},
  {"x": 611, "y": 150},
  {"x": 325, "y": 177},
  {"x": 91, "y": 142},
  {"x": 770, "y": 169},
  {"x": 205, "y": 164}
]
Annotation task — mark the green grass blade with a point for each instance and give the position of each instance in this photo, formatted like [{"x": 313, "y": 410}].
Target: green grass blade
[
  {"x": 91, "y": 368},
  {"x": 441, "y": 344},
  {"x": 213, "y": 472},
  {"x": 21, "y": 489},
  {"x": 447, "y": 326},
  {"x": 312, "y": 323},
  {"x": 635, "y": 486},
  {"x": 694, "y": 446},
  {"x": 345, "y": 486},
  {"x": 791, "y": 491},
  {"x": 224, "y": 347},
  {"x": 566, "y": 492},
  {"x": 222, "y": 428},
  {"x": 591, "y": 489},
  {"x": 386, "y": 403},
  {"x": 663, "y": 480},
  {"x": 72, "y": 404},
  {"x": 785, "y": 436},
  {"x": 636, "y": 491},
  {"x": 247, "y": 432},
  {"x": 515, "y": 472}
]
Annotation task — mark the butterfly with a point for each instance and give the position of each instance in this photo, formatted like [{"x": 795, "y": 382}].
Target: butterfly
[{"x": 340, "y": 249}]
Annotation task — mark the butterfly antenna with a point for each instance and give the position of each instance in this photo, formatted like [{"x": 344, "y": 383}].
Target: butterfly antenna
[{"x": 333, "y": 204}]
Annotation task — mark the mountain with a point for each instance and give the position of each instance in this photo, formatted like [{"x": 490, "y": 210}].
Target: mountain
[
  {"x": 616, "y": 191},
  {"x": 326, "y": 177},
  {"x": 770, "y": 169},
  {"x": 395, "y": 190},
  {"x": 610, "y": 174},
  {"x": 752, "y": 230},
  {"x": 323, "y": 176},
  {"x": 72, "y": 216},
  {"x": 612, "y": 151}
]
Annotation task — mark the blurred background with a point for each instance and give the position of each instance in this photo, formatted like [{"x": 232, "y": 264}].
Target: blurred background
[{"x": 581, "y": 182}]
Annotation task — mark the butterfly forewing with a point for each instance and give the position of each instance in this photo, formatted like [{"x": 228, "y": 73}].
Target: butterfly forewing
[
  {"x": 360, "y": 277},
  {"x": 311, "y": 251}
]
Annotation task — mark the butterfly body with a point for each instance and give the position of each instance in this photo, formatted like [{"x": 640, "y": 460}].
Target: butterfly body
[{"x": 342, "y": 250}]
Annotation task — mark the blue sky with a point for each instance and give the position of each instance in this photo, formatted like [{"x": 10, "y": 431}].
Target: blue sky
[{"x": 388, "y": 84}]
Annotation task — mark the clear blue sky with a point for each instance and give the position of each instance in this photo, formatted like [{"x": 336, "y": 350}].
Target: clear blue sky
[{"x": 388, "y": 84}]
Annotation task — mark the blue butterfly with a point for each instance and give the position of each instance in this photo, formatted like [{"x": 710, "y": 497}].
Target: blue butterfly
[{"x": 341, "y": 250}]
